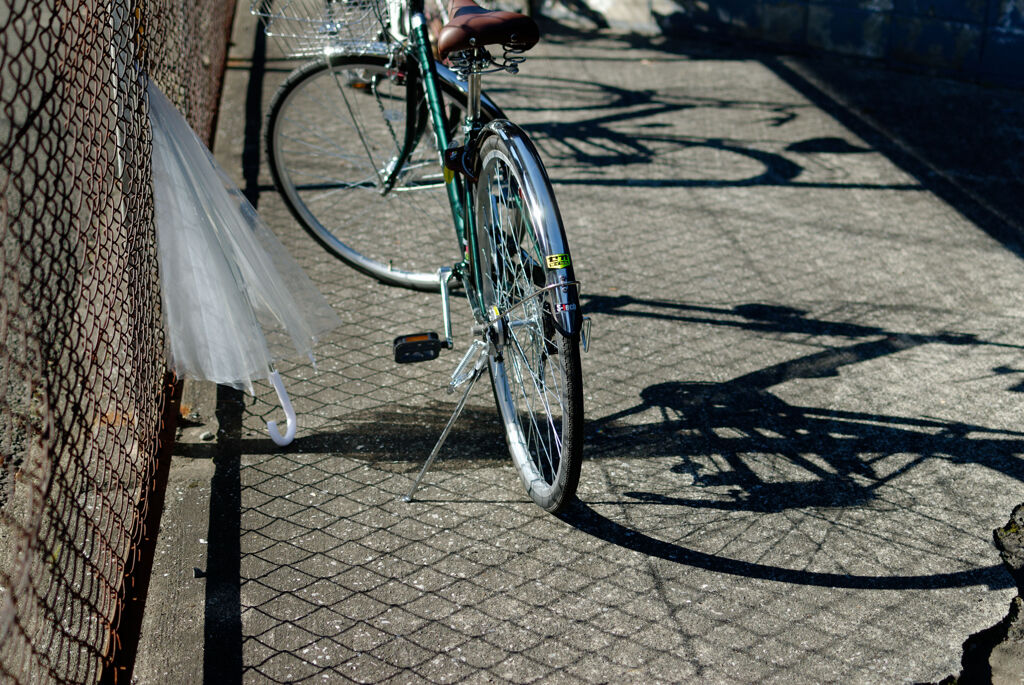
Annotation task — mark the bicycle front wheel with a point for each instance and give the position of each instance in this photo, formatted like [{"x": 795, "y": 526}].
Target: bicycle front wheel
[
  {"x": 334, "y": 131},
  {"x": 535, "y": 371}
]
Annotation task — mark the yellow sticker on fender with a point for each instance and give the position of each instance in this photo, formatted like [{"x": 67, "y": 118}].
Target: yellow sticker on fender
[{"x": 558, "y": 261}]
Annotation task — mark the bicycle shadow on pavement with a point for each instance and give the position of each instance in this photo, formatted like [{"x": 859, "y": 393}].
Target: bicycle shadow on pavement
[
  {"x": 584, "y": 518},
  {"x": 744, "y": 451},
  {"x": 634, "y": 130},
  {"x": 649, "y": 132},
  {"x": 970, "y": 171}
]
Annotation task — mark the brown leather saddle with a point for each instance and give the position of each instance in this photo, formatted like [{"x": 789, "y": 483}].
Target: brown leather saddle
[{"x": 471, "y": 26}]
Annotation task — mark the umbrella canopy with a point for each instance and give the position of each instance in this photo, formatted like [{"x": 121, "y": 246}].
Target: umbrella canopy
[{"x": 234, "y": 300}]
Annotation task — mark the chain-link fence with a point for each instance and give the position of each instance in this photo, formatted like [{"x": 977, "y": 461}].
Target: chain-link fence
[{"x": 82, "y": 374}]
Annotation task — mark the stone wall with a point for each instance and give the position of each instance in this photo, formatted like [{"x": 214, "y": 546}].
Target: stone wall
[{"x": 975, "y": 39}]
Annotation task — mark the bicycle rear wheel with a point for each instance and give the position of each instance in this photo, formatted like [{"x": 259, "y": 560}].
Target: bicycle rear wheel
[
  {"x": 334, "y": 132},
  {"x": 535, "y": 373}
]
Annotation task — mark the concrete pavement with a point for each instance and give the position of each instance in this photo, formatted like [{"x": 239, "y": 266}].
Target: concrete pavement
[{"x": 804, "y": 401}]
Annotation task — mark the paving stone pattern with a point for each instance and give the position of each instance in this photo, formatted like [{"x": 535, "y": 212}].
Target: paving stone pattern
[{"x": 803, "y": 402}]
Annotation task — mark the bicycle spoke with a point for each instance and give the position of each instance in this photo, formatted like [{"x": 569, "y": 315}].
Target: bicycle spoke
[
  {"x": 334, "y": 132},
  {"x": 542, "y": 394},
  {"x": 533, "y": 375}
]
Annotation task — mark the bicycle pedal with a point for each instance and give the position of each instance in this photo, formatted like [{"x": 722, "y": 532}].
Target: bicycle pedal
[{"x": 420, "y": 347}]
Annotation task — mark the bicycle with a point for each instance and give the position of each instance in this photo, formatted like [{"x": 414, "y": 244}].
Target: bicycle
[{"x": 375, "y": 139}]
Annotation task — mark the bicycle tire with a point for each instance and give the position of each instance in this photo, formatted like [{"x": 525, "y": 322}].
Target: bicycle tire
[
  {"x": 535, "y": 372},
  {"x": 332, "y": 129}
]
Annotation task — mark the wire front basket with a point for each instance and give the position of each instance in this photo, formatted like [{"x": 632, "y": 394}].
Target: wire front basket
[{"x": 303, "y": 28}]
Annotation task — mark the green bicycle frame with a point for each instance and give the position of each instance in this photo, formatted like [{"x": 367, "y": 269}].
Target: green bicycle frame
[{"x": 457, "y": 187}]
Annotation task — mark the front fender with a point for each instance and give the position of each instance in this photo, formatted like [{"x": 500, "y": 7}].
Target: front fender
[{"x": 547, "y": 221}]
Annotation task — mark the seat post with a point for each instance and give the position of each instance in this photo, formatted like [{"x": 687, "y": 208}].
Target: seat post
[{"x": 474, "y": 80}]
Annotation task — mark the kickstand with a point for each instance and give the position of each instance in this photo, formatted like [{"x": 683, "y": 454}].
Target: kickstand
[{"x": 458, "y": 378}]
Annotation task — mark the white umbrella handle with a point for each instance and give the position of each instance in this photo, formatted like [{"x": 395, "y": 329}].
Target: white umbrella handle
[{"x": 286, "y": 404}]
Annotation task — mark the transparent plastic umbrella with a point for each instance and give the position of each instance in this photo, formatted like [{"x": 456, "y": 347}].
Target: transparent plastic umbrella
[{"x": 234, "y": 301}]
